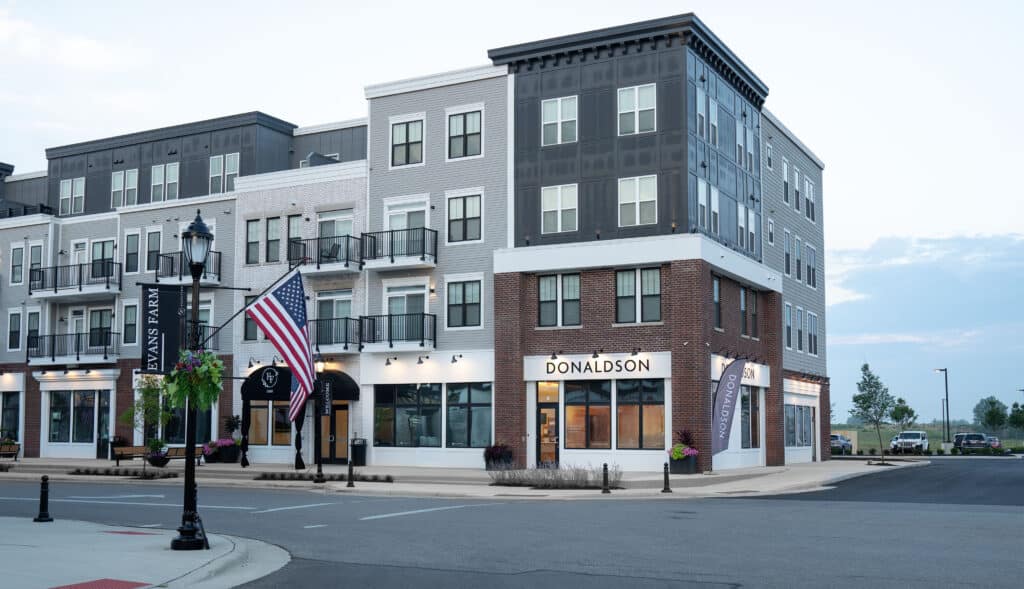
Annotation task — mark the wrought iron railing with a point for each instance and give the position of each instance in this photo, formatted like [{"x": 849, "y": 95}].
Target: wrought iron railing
[
  {"x": 95, "y": 342},
  {"x": 23, "y": 210},
  {"x": 342, "y": 331},
  {"x": 104, "y": 272},
  {"x": 342, "y": 249},
  {"x": 174, "y": 266},
  {"x": 418, "y": 242},
  {"x": 420, "y": 328}
]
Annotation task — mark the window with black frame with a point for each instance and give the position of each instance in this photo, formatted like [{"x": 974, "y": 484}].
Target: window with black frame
[
  {"x": 717, "y": 298},
  {"x": 174, "y": 431},
  {"x": 10, "y": 415},
  {"x": 152, "y": 250},
  {"x": 252, "y": 241},
  {"x": 547, "y": 301},
  {"x": 407, "y": 415},
  {"x": 464, "y": 218},
  {"x": 588, "y": 414},
  {"x": 469, "y": 415},
  {"x": 570, "y": 299},
  {"x": 640, "y": 414},
  {"x": 406, "y": 143},
  {"x": 464, "y": 304},
  {"x": 250, "y": 329},
  {"x": 131, "y": 255},
  {"x": 464, "y": 135}
]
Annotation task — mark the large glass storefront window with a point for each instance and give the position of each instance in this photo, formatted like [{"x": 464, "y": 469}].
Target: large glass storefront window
[
  {"x": 174, "y": 431},
  {"x": 469, "y": 415},
  {"x": 750, "y": 417},
  {"x": 60, "y": 416},
  {"x": 799, "y": 428},
  {"x": 407, "y": 415},
  {"x": 269, "y": 428},
  {"x": 75, "y": 416},
  {"x": 588, "y": 414},
  {"x": 640, "y": 414},
  {"x": 10, "y": 412}
]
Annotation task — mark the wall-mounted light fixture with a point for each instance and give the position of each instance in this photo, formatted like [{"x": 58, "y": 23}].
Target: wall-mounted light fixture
[
  {"x": 635, "y": 351},
  {"x": 420, "y": 359},
  {"x": 554, "y": 355},
  {"x": 389, "y": 359},
  {"x": 253, "y": 361},
  {"x": 597, "y": 353},
  {"x": 455, "y": 359},
  {"x": 274, "y": 361}
]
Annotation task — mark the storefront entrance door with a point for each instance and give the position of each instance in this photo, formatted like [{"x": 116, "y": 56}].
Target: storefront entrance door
[
  {"x": 334, "y": 441},
  {"x": 547, "y": 434}
]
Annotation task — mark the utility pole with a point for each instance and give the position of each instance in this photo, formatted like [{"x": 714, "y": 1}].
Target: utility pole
[{"x": 945, "y": 374}]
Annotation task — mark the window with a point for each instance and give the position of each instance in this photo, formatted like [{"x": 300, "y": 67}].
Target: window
[
  {"x": 294, "y": 235},
  {"x": 648, "y": 306},
  {"x": 130, "y": 335},
  {"x": 752, "y": 305},
  {"x": 558, "y": 120},
  {"x": 407, "y": 143},
  {"x": 35, "y": 261},
  {"x": 13, "y": 330},
  {"x": 131, "y": 253},
  {"x": 785, "y": 181},
  {"x": 32, "y": 329},
  {"x": 702, "y": 204},
  {"x": 741, "y": 225},
  {"x": 124, "y": 188},
  {"x": 809, "y": 200},
  {"x": 469, "y": 415},
  {"x": 263, "y": 428},
  {"x": 464, "y": 304},
  {"x": 714, "y": 210},
  {"x": 740, "y": 150},
  {"x": 17, "y": 265},
  {"x": 230, "y": 171},
  {"x": 743, "y": 312},
  {"x": 10, "y": 415},
  {"x": 788, "y": 249},
  {"x": 799, "y": 429},
  {"x": 640, "y": 414},
  {"x": 555, "y": 288},
  {"x": 796, "y": 188},
  {"x": 223, "y": 172},
  {"x": 768, "y": 155},
  {"x": 250, "y": 330},
  {"x": 282, "y": 433},
  {"x": 799, "y": 329},
  {"x": 789, "y": 326},
  {"x": 60, "y": 416},
  {"x": 330, "y": 306},
  {"x": 716, "y": 294},
  {"x": 713, "y": 118},
  {"x": 152, "y": 250},
  {"x": 252, "y": 241},
  {"x": 702, "y": 119},
  {"x": 174, "y": 431},
  {"x": 274, "y": 239},
  {"x": 637, "y": 109},
  {"x": 751, "y": 231},
  {"x": 164, "y": 180},
  {"x": 812, "y": 267},
  {"x": 72, "y": 196},
  {"x": 588, "y": 414},
  {"x": 750, "y": 150},
  {"x": 799, "y": 255},
  {"x": 812, "y": 334},
  {"x": 464, "y": 218},
  {"x": 464, "y": 134},
  {"x": 771, "y": 232},
  {"x": 158, "y": 181},
  {"x": 750, "y": 417},
  {"x": 558, "y": 208},
  {"x": 407, "y": 415},
  {"x": 638, "y": 201}
]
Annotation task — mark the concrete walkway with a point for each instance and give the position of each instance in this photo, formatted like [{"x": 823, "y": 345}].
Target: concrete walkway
[
  {"x": 451, "y": 482},
  {"x": 66, "y": 553}
]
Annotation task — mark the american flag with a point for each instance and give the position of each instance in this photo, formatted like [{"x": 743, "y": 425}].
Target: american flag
[{"x": 281, "y": 314}]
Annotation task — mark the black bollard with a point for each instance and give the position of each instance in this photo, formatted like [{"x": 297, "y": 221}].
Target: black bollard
[
  {"x": 44, "y": 501},
  {"x": 604, "y": 486},
  {"x": 351, "y": 475},
  {"x": 667, "y": 489}
]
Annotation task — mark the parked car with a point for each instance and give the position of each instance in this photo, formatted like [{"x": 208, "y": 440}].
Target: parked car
[
  {"x": 970, "y": 442},
  {"x": 994, "y": 442},
  {"x": 842, "y": 443},
  {"x": 909, "y": 442}
]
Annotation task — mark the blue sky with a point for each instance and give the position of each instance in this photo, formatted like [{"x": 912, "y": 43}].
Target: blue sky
[{"x": 911, "y": 104}]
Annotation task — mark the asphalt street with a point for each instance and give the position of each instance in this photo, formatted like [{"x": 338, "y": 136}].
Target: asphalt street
[{"x": 949, "y": 524}]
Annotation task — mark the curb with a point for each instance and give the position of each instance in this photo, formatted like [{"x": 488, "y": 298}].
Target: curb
[{"x": 248, "y": 560}]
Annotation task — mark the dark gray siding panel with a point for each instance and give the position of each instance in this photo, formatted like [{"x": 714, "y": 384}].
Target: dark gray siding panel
[
  {"x": 348, "y": 143},
  {"x": 26, "y": 192}
]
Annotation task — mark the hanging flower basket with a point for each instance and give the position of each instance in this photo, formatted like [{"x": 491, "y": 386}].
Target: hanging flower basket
[{"x": 196, "y": 377}]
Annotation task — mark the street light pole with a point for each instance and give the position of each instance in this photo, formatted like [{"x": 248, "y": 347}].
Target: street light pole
[
  {"x": 196, "y": 242},
  {"x": 318, "y": 414},
  {"x": 945, "y": 374}
]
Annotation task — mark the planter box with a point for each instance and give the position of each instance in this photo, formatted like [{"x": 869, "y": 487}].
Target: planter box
[
  {"x": 686, "y": 465},
  {"x": 228, "y": 454},
  {"x": 158, "y": 461},
  {"x": 212, "y": 457}
]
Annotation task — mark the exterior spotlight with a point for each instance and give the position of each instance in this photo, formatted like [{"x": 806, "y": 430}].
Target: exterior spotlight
[
  {"x": 420, "y": 359},
  {"x": 635, "y": 351},
  {"x": 319, "y": 363},
  {"x": 389, "y": 359},
  {"x": 554, "y": 356},
  {"x": 455, "y": 358},
  {"x": 273, "y": 362}
]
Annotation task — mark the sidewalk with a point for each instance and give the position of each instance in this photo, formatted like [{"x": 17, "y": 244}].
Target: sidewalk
[
  {"x": 454, "y": 482},
  {"x": 125, "y": 557}
]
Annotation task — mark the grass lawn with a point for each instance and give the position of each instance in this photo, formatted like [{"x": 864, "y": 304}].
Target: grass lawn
[{"x": 867, "y": 438}]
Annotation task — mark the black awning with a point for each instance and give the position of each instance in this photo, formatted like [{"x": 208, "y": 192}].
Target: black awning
[
  {"x": 341, "y": 385},
  {"x": 269, "y": 383}
]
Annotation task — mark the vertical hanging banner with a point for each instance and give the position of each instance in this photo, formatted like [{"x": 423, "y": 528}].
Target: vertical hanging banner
[
  {"x": 162, "y": 321},
  {"x": 727, "y": 395}
]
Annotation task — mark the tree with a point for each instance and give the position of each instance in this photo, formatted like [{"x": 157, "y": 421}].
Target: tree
[
  {"x": 147, "y": 411},
  {"x": 981, "y": 409},
  {"x": 872, "y": 403},
  {"x": 1016, "y": 419},
  {"x": 902, "y": 415},
  {"x": 995, "y": 416}
]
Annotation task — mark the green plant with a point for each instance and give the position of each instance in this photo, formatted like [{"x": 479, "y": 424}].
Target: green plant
[
  {"x": 196, "y": 378},
  {"x": 940, "y": 452},
  {"x": 872, "y": 451},
  {"x": 955, "y": 451},
  {"x": 147, "y": 410},
  {"x": 232, "y": 423},
  {"x": 860, "y": 452},
  {"x": 872, "y": 403}
]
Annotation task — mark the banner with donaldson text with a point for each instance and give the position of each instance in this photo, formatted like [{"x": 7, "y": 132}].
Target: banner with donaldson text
[
  {"x": 727, "y": 395},
  {"x": 163, "y": 321}
]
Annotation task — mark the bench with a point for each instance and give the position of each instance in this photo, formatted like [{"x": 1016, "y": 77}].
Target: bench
[
  {"x": 128, "y": 453},
  {"x": 179, "y": 453},
  {"x": 10, "y": 450}
]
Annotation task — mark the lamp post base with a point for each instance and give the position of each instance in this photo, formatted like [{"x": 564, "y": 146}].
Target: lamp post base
[{"x": 187, "y": 538}]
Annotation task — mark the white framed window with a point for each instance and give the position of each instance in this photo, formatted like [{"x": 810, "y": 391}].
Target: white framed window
[
  {"x": 72, "y": 196},
  {"x": 768, "y": 155},
  {"x": 812, "y": 267},
  {"x": 558, "y": 300},
  {"x": 741, "y": 226},
  {"x": 558, "y": 120},
  {"x": 132, "y": 244},
  {"x": 154, "y": 239},
  {"x": 14, "y": 330},
  {"x": 714, "y": 210},
  {"x": 465, "y": 211},
  {"x": 703, "y": 205},
  {"x": 751, "y": 231},
  {"x": 785, "y": 181},
  {"x": 465, "y": 132},
  {"x": 124, "y": 188},
  {"x": 713, "y": 121},
  {"x": 223, "y": 172},
  {"x": 788, "y": 318},
  {"x": 812, "y": 334},
  {"x": 798, "y": 253},
  {"x": 638, "y": 201},
  {"x": 809, "y": 200},
  {"x": 799, "y": 329},
  {"x": 787, "y": 246},
  {"x": 130, "y": 322},
  {"x": 559, "y": 208},
  {"x": 630, "y": 308},
  {"x": 17, "y": 275},
  {"x": 164, "y": 182},
  {"x": 796, "y": 188},
  {"x": 740, "y": 149},
  {"x": 407, "y": 212},
  {"x": 637, "y": 109},
  {"x": 408, "y": 133},
  {"x": 771, "y": 232},
  {"x": 702, "y": 115},
  {"x": 464, "y": 306},
  {"x": 750, "y": 150}
]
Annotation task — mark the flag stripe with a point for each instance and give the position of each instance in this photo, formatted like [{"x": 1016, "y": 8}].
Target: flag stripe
[{"x": 289, "y": 343}]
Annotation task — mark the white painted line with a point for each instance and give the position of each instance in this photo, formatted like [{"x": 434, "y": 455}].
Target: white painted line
[
  {"x": 292, "y": 507},
  {"x": 151, "y": 526},
  {"x": 315, "y": 526},
  {"x": 117, "y": 497},
  {"x": 140, "y": 503},
  {"x": 417, "y": 511}
]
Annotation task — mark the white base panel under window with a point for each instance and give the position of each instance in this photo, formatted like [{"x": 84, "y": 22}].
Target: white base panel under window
[{"x": 439, "y": 457}]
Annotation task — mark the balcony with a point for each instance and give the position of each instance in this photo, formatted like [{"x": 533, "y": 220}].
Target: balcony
[
  {"x": 21, "y": 211},
  {"x": 98, "y": 346},
  {"x": 94, "y": 280},
  {"x": 400, "y": 249},
  {"x": 209, "y": 337},
  {"x": 172, "y": 268},
  {"x": 407, "y": 332},
  {"x": 335, "y": 336},
  {"x": 327, "y": 255}
]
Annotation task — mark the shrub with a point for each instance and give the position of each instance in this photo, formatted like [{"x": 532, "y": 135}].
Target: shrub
[
  {"x": 860, "y": 452},
  {"x": 872, "y": 451},
  {"x": 564, "y": 477},
  {"x": 927, "y": 452},
  {"x": 940, "y": 452},
  {"x": 955, "y": 451},
  {"x": 836, "y": 451}
]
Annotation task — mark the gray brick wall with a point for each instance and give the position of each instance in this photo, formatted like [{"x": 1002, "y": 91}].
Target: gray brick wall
[{"x": 787, "y": 218}]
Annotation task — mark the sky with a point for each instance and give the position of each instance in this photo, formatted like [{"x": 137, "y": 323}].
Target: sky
[{"x": 910, "y": 104}]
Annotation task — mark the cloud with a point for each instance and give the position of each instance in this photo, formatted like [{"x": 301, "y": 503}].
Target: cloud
[
  {"x": 28, "y": 42},
  {"x": 944, "y": 339}
]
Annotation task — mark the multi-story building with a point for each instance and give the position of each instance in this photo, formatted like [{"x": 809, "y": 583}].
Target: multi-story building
[{"x": 559, "y": 252}]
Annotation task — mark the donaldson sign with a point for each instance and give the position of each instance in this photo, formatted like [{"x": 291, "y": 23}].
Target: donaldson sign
[
  {"x": 605, "y": 366},
  {"x": 727, "y": 395}
]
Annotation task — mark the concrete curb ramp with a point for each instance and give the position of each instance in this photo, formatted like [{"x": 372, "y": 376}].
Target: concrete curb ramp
[{"x": 247, "y": 561}]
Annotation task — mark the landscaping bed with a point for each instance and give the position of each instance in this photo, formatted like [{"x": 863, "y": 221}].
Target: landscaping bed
[{"x": 146, "y": 475}]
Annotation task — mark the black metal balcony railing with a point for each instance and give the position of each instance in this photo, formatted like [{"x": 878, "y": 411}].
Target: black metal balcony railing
[
  {"x": 174, "y": 266},
  {"x": 106, "y": 273},
  {"x": 419, "y": 241},
  {"x": 21, "y": 211},
  {"x": 409, "y": 327},
  {"x": 342, "y": 249},
  {"x": 205, "y": 331},
  {"x": 95, "y": 342},
  {"x": 342, "y": 331}
]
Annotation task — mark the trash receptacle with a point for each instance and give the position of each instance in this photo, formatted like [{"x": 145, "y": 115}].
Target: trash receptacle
[{"x": 358, "y": 452}]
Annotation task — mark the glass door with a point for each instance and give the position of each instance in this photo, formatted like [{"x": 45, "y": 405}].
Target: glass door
[
  {"x": 332, "y": 229},
  {"x": 547, "y": 435},
  {"x": 103, "y": 426},
  {"x": 329, "y": 307},
  {"x": 334, "y": 435},
  {"x": 405, "y": 314},
  {"x": 99, "y": 327},
  {"x": 103, "y": 258},
  {"x": 406, "y": 240}
]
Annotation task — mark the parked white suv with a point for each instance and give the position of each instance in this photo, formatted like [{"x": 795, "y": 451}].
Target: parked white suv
[{"x": 909, "y": 442}]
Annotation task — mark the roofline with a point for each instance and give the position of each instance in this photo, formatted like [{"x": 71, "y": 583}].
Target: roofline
[
  {"x": 335, "y": 126},
  {"x": 26, "y": 176},
  {"x": 792, "y": 137},
  {"x": 163, "y": 133},
  {"x": 6, "y": 169},
  {"x": 449, "y": 78},
  {"x": 680, "y": 23}
]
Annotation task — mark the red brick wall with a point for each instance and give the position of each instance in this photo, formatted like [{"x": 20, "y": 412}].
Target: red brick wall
[
  {"x": 30, "y": 433},
  {"x": 224, "y": 402},
  {"x": 124, "y": 397}
]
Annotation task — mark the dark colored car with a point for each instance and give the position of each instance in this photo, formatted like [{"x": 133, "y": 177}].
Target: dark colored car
[{"x": 971, "y": 442}]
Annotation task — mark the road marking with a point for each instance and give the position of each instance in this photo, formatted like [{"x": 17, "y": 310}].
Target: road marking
[
  {"x": 315, "y": 526},
  {"x": 139, "y": 503},
  {"x": 150, "y": 525},
  {"x": 418, "y": 511},
  {"x": 292, "y": 507},
  {"x": 117, "y": 497}
]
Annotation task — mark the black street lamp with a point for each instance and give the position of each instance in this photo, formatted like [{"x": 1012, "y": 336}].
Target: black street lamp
[
  {"x": 195, "y": 242},
  {"x": 945, "y": 374}
]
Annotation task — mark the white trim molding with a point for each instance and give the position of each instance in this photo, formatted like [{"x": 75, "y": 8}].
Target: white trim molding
[
  {"x": 300, "y": 177},
  {"x": 461, "y": 192},
  {"x": 335, "y": 126},
  {"x": 443, "y": 299},
  {"x": 435, "y": 80}
]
